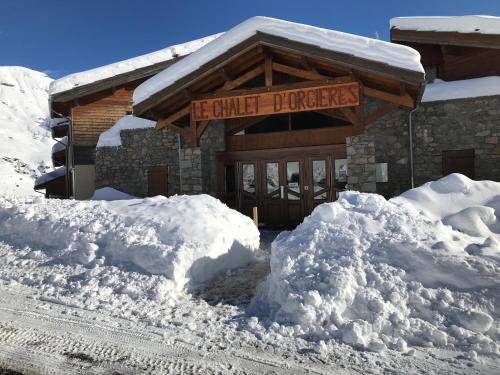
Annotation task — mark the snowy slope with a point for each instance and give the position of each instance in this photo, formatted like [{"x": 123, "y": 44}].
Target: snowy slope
[{"x": 25, "y": 141}]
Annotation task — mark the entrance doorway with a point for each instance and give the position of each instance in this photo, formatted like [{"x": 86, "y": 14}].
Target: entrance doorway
[{"x": 285, "y": 185}]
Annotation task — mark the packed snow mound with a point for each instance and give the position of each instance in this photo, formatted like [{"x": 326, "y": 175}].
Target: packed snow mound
[
  {"x": 187, "y": 239},
  {"x": 379, "y": 274},
  {"x": 111, "y": 137},
  {"x": 467, "y": 88},
  {"x": 395, "y": 55},
  {"x": 24, "y": 129},
  {"x": 110, "y": 194}
]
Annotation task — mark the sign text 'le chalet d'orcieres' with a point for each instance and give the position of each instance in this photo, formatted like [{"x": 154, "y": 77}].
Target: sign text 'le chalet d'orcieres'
[{"x": 312, "y": 97}]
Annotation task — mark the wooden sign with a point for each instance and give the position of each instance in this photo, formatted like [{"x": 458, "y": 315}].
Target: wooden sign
[{"x": 306, "y": 98}]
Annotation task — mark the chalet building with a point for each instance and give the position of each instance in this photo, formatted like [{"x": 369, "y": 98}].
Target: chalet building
[
  {"x": 85, "y": 104},
  {"x": 283, "y": 116}
]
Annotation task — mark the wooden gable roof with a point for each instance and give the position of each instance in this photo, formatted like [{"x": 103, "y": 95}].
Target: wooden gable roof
[{"x": 243, "y": 66}]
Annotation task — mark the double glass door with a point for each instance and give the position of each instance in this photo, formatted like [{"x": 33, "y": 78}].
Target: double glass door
[{"x": 284, "y": 190}]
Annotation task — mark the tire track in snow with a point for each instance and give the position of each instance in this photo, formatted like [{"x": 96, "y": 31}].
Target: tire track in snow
[{"x": 44, "y": 342}]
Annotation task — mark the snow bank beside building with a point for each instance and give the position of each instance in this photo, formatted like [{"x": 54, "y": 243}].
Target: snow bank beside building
[
  {"x": 467, "y": 88},
  {"x": 111, "y": 137},
  {"x": 110, "y": 194},
  {"x": 187, "y": 239},
  {"x": 379, "y": 274}
]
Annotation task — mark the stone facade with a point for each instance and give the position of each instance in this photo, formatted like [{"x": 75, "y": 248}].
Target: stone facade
[
  {"x": 472, "y": 123},
  {"x": 190, "y": 170},
  {"x": 361, "y": 163}
]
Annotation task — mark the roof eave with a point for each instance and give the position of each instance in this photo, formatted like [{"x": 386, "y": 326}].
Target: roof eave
[{"x": 260, "y": 38}]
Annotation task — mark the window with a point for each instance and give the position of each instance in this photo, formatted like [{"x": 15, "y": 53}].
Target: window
[
  {"x": 293, "y": 179},
  {"x": 272, "y": 178},
  {"x": 248, "y": 178}
]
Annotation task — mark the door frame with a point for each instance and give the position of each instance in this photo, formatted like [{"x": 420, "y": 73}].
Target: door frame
[{"x": 304, "y": 155}]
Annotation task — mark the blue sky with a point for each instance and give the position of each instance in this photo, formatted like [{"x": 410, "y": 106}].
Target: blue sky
[{"x": 62, "y": 37}]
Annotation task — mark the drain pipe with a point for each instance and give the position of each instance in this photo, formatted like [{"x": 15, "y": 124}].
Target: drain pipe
[
  {"x": 179, "y": 155},
  {"x": 410, "y": 132}
]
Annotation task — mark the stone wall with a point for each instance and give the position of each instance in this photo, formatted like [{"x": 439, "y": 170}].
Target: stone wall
[
  {"x": 361, "y": 163},
  {"x": 190, "y": 170},
  {"x": 212, "y": 141},
  {"x": 472, "y": 123},
  {"x": 125, "y": 167}
]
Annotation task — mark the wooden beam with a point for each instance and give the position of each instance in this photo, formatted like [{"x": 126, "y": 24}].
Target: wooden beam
[
  {"x": 202, "y": 126},
  {"x": 404, "y": 100},
  {"x": 242, "y": 123},
  {"x": 173, "y": 117},
  {"x": 251, "y": 74},
  {"x": 297, "y": 72},
  {"x": 334, "y": 113},
  {"x": 182, "y": 131},
  {"x": 375, "y": 115},
  {"x": 229, "y": 85},
  {"x": 350, "y": 115},
  {"x": 194, "y": 134},
  {"x": 268, "y": 68}
]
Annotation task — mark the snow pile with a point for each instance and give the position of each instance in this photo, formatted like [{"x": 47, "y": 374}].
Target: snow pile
[
  {"x": 371, "y": 49},
  {"x": 379, "y": 274},
  {"x": 24, "y": 129},
  {"x": 108, "y": 71},
  {"x": 467, "y": 88},
  {"x": 110, "y": 194},
  {"x": 458, "y": 24},
  {"x": 111, "y": 137},
  {"x": 187, "y": 239}
]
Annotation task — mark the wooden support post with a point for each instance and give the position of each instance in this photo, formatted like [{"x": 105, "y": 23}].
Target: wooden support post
[
  {"x": 194, "y": 134},
  {"x": 268, "y": 67},
  {"x": 255, "y": 214}
]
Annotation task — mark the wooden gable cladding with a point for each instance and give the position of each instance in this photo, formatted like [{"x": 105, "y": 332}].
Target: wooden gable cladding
[
  {"x": 96, "y": 113},
  {"x": 266, "y": 62}
]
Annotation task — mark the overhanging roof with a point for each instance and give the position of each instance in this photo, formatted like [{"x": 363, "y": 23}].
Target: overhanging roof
[
  {"x": 469, "y": 31},
  {"x": 94, "y": 80},
  {"x": 351, "y": 52}
]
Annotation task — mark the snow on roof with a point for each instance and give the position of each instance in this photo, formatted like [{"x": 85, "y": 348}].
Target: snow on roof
[
  {"x": 111, "y": 137},
  {"x": 366, "y": 48},
  {"x": 459, "y": 24},
  {"x": 468, "y": 88},
  {"x": 59, "y": 121},
  {"x": 93, "y": 75},
  {"x": 47, "y": 177},
  {"x": 60, "y": 145}
]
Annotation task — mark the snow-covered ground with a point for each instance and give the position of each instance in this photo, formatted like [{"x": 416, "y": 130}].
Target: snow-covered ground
[
  {"x": 364, "y": 285},
  {"x": 25, "y": 141}
]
